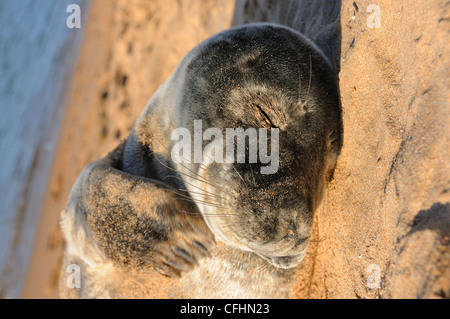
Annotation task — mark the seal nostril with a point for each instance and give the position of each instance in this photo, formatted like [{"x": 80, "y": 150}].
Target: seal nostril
[
  {"x": 299, "y": 241},
  {"x": 292, "y": 231},
  {"x": 289, "y": 236}
]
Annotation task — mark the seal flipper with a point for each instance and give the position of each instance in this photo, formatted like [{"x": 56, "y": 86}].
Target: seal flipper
[{"x": 134, "y": 221}]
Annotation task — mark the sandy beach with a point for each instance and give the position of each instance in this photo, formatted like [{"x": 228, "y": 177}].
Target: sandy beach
[{"x": 388, "y": 204}]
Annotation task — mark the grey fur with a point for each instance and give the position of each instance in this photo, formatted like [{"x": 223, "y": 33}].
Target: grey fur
[{"x": 136, "y": 209}]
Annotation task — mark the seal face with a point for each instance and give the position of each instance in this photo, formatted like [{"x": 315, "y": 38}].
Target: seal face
[
  {"x": 257, "y": 76},
  {"x": 139, "y": 207},
  {"x": 266, "y": 76}
]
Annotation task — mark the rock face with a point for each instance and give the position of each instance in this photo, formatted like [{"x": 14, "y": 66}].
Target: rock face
[
  {"x": 395, "y": 88},
  {"x": 383, "y": 230},
  {"x": 387, "y": 212}
]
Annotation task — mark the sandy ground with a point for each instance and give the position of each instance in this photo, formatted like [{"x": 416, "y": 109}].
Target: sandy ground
[{"x": 387, "y": 212}]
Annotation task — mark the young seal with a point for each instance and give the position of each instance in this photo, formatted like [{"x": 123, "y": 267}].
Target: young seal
[{"x": 138, "y": 210}]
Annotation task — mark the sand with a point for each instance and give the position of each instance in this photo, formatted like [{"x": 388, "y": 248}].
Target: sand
[{"x": 383, "y": 229}]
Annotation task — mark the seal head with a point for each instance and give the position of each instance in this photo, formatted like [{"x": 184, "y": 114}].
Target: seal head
[{"x": 261, "y": 76}]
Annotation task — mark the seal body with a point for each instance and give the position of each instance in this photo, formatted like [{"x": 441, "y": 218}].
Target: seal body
[{"x": 139, "y": 212}]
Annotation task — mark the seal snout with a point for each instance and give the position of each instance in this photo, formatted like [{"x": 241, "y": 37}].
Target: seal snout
[{"x": 280, "y": 256}]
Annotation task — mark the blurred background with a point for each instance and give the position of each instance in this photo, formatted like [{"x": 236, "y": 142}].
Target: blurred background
[
  {"x": 69, "y": 96},
  {"x": 38, "y": 54}
]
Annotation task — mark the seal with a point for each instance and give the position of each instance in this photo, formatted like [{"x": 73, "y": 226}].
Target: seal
[{"x": 139, "y": 209}]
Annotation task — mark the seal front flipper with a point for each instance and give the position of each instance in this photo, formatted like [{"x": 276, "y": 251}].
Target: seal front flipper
[{"x": 134, "y": 221}]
